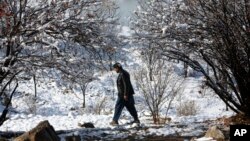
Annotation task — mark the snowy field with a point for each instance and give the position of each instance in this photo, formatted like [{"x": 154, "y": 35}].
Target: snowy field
[{"x": 62, "y": 107}]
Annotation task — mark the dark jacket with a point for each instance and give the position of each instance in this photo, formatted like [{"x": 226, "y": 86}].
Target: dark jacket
[{"x": 124, "y": 85}]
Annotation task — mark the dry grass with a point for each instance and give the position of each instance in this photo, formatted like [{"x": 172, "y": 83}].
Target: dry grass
[{"x": 187, "y": 108}]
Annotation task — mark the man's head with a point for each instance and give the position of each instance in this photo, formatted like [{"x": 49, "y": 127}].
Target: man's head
[{"x": 117, "y": 67}]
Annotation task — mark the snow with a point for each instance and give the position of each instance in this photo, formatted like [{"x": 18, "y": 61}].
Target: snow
[
  {"x": 126, "y": 31},
  {"x": 180, "y": 25},
  {"x": 62, "y": 107},
  {"x": 205, "y": 139},
  {"x": 59, "y": 122},
  {"x": 162, "y": 131}
]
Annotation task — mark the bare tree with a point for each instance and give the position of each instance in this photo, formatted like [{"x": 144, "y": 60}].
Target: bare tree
[
  {"x": 150, "y": 23},
  {"x": 31, "y": 31},
  {"x": 79, "y": 76},
  {"x": 209, "y": 35},
  {"x": 159, "y": 91},
  {"x": 217, "y": 33},
  {"x": 53, "y": 35}
]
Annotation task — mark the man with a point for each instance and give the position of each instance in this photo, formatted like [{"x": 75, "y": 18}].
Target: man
[{"x": 125, "y": 95}]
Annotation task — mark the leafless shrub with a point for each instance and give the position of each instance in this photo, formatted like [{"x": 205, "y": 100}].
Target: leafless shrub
[
  {"x": 161, "y": 90},
  {"x": 187, "y": 108},
  {"x": 100, "y": 105}
]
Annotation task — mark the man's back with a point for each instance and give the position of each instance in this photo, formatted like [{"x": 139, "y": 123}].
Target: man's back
[{"x": 124, "y": 85}]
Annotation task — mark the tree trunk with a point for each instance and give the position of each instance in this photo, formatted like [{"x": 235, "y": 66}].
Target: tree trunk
[
  {"x": 154, "y": 119},
  {"x": 151, "y": 74},
  {"x": 35, "y": 87},
  {"x": 207, "y": 69},
  {"x": 185, "y": 70},
  {"x": 83, "y": 88}
]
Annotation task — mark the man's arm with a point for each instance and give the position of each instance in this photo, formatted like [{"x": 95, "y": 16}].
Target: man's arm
[{"x": 125, "y": 87}]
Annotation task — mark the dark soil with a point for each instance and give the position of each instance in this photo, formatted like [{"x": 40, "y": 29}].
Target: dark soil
[{"x": 237, "y": 119}]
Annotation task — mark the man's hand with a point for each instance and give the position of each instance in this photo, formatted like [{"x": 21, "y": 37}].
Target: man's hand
[{"x": 125, "y": 97}]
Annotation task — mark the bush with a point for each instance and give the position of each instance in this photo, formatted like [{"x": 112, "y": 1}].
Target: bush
[
  {"x": 159, "y": 87},
  {"x": 187, "y": 108},
  {"x": 100, "y": 105}
]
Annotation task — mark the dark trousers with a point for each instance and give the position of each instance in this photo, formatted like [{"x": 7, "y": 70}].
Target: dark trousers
[{"x": 129, "y": 104}]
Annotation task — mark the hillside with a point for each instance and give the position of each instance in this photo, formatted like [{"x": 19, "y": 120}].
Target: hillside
[{"x": 62, "y": 107}]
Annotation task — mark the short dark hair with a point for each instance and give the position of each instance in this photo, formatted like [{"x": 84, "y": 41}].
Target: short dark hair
[{"x": 117, "y": 65}]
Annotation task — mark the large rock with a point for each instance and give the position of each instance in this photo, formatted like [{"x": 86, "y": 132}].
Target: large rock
[
  {"x": 42, "y": 132},
  {"x": 215, "y": 133}
]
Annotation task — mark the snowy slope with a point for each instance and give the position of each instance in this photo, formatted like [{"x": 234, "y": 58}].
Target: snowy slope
[{"x": 63, "y": 107}]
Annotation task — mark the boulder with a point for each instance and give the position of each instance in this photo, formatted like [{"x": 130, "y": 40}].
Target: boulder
[
  {"x": 215, "y": 133},
  {"x": 42, "y": 132},
  {"x": 86, "y": 125}
]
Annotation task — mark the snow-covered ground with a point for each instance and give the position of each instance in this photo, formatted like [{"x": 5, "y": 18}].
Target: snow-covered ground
[{"x": 63, "y": 107}]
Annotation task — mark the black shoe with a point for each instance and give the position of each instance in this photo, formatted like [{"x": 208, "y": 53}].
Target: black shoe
[{"x": 135, "y": 121}]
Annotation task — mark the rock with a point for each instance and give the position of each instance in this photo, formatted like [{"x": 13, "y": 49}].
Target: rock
[
  {"x": 73, "y": 138},
  {"x": 42, "y": 132},
  {"x": 87, "y": 125},
  {"x": 72, "y": 109},
  {"x": 215, "y": 133}
]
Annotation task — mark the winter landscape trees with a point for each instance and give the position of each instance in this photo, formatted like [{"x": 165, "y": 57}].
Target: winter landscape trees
[
  {"x": 56, "y": 56},
  {"x": 55, "y": 36},
  {"x": 212, "y": 37}
]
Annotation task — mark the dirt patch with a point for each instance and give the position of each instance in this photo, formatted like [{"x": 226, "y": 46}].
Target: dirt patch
[{"x": 236, "y": 119}]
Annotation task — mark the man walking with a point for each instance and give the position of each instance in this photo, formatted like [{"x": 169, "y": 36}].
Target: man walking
[{"x": 125, "y": 95}]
